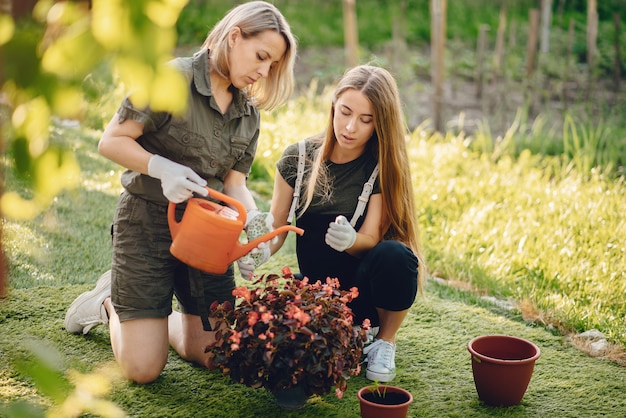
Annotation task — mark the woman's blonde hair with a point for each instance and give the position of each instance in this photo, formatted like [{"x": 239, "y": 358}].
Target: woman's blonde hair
[
  {"x": 252, "y": 18},
  {"x": 388, "y": 144}
]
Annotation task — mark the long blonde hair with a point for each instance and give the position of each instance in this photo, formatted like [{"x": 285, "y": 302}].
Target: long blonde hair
[
  {"x": 253, "y": 18},
  {"x": 388, "y": 144}
]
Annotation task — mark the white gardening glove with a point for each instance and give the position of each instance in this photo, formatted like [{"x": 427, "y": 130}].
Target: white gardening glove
[
  {"x": 257, "y": 225},
  {"x": 340, "y": 234},
  {"x": 178, "y": 182}
]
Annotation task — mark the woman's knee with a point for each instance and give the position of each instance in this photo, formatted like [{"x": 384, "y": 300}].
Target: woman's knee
[
  {"x": 390, "y": 273},
  {"x": 141, "y": 349},
  {"x": 142, "y": 371},
  {"x": 392, "y": 255}
]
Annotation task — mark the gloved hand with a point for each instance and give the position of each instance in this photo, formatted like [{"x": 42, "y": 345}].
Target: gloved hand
[
  {"x": 255, "y": 258},
  {"x": 228, "y": 212},
  {"x": 257, "y": 225},
  {"x": 178, "y": 182},
  {"x": 340, "y": 234}
]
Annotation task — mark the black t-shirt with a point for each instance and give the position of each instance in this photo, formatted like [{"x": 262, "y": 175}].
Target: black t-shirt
[{"x": 316, "y": 259}]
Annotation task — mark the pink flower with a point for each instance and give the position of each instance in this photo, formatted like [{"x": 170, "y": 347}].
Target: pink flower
[
  {"x": 253, "y": 317},
  {"x": 242, "y": 292},
  {"x": 366, "y": 324},
  {"x": 298, "y": 314},
  {"x": 339, "y": 393},
  {"x": 266, "y": 317},
  {"x": 235, "y": 338}
]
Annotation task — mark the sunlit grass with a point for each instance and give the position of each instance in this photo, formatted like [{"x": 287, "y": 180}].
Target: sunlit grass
[{"x": 512, "y": 230}]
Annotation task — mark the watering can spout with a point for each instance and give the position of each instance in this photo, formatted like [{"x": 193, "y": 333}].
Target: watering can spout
[{"x": 243, "y": 249}]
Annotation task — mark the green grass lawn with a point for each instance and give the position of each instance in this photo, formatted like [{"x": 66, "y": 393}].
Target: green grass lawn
[
  {"x": 433, "y": 364},
  {"x": 529, "y": 230}
]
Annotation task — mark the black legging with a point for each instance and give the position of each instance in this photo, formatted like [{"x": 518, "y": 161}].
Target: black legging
[{"x": 387, "y": 279}]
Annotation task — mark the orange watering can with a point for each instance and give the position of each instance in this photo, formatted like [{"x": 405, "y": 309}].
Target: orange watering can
[{"x": 208, "y": 241}]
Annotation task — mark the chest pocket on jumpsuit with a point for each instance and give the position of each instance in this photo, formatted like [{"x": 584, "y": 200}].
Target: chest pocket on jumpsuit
[
  {"x": 238, "y": 145},
  {"x": 188, "y": 147},
  {"x": 226, "y": 153}
]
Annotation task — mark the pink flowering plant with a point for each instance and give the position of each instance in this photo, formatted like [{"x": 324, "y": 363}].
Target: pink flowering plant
[{"x": 286, "y": 332}]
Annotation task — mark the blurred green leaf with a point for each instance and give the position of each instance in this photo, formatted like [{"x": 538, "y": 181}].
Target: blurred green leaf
[
  {"x": 44, "y": 365},
  {"x": 21, "y": 409}
]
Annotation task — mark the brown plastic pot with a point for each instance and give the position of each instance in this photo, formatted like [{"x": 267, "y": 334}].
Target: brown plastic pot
[
  {"x": 385, "y": 401},
  {"x": 502, "y": 367}
]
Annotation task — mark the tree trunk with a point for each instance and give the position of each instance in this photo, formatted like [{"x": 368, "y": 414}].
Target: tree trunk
[
  {"x": 531, "y": 46},
  {"x": 350, "y": 30},
  {"x": 617, "y": 69},
  {"x": 498, "y": 60},
  {"x": 592, "y": 35},
  {"x": 546, "y": 22},
  {"x": 398, "y": 34},
  {"x": 480, "y": 58},
  {"x": 438, "y": 40}
]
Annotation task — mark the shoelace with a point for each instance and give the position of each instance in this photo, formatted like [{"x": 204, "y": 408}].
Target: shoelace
[{"x": 376, "y": 348}]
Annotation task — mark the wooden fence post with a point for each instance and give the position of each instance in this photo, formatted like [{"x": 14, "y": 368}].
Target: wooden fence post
[
  {"x": 617, "y": 69},
  {"x": 480, "y": 58},
  {"x": 437, "y": 41},
  {"x": 351, "y": 33},
  {"x": 592, "y": 35},
  {"x": 546, "y": 22},
  {"x": 568, "y": 55},
  {"x": 531, "y": 45},
  {"x": 6, "y": 7},
  {"x": 498, "y": 59},
  {"x": 398, "y": 34}
]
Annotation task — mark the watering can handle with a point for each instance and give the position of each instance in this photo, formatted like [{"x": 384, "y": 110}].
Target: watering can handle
[
  {"x": 171, "y": 210},
  {"x": 171, "y": 219},
  {"x": 241, "y": 210}
]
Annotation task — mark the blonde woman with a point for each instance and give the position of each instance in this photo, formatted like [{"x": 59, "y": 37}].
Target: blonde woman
[
  {"x": 380, "y": 253},
  {"x": 245, "y": 64}
]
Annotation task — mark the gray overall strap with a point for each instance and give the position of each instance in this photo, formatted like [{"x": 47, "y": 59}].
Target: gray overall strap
[
  {"x": 365, "y": 196},
  {"x": 299, "y": 175},
  {"x": 368, "y": 187}
]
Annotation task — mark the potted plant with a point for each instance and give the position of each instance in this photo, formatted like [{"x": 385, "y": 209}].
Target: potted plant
[
  {"x": 384, "y": 401},
  {"x": 290, "y": 336}
]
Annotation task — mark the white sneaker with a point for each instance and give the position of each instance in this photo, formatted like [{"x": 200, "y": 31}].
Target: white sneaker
[
  {"x": 381, "y": 364},
  {"x": 87, "y": 310}
]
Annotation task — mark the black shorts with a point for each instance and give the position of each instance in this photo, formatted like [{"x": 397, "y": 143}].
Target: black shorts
[{"x": 145, "y": 275}]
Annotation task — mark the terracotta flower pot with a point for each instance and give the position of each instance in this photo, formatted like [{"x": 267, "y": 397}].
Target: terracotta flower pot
[
  {"x": 384, "y": 402},
  {"x": 502, "y": 366}
]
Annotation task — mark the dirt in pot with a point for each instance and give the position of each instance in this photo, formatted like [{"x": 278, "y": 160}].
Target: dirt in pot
[{"x": 389, "y": 398}]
